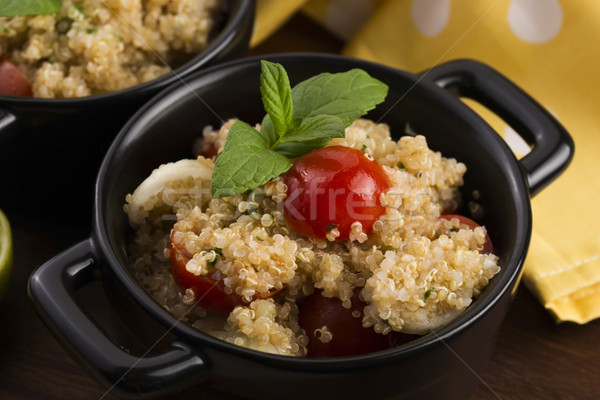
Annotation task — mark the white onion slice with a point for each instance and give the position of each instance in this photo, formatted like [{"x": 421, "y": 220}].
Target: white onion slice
[{"x": 200, "y": 168}]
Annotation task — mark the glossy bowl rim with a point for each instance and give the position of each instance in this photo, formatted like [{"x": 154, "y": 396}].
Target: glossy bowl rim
[
  {"x": 233, "y": 27},
  {"x": 508, "y": 281}
]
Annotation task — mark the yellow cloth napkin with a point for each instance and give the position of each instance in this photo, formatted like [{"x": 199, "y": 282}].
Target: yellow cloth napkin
[
  {"x": 547, "y": 47},
  {"x": 270, "y": 15}
]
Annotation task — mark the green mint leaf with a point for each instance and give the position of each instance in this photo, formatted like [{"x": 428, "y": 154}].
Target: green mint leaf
[
  {"x": 267, "y": 131},
  {"x": 347, "y": 95},
  {"x": 245, "y": 163},
  {"x": 295, "y": 149},
  {"x": 276, "y": 96},
  {"x": 314, "y": 132},
  {"x": 14, "y": 8}
]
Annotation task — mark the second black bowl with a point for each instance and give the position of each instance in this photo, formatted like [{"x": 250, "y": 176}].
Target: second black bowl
[{"x": 51, "y": 149}]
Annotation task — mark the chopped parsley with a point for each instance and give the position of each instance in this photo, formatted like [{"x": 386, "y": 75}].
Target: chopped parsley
[
  {"x": 428, "y": 293},
  {"x": 63, "y": 25},
  {"x": 218, "y": 256},
  {"x": 331, "y": 227}
]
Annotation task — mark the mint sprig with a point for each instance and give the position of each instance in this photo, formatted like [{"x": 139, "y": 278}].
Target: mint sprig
[
  {"x": 277, "y": 99},
  {"x": 245, "y": 163},
  {"x": 314, "y": 132},
  {"x": 14, "y": 8},
  {"x": 347, "y": 95},
  {"x": 298, "y": 121}
]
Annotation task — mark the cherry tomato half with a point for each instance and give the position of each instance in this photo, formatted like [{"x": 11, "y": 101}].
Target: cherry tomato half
[
  {"x": 332, "y": 187},
  {"x": 209, "y": 149},
  {"x": 12, "y": 81},
  {"x": 348, "y": 336},
  {"x": 488, "y": 247},
  {"x": 210, "y": 293}
]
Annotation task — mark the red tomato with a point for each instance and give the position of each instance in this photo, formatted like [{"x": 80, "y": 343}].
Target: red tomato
[
  {"x": 12, "y": 81},
  {"x": 349, "y": 337},
  {"x": 332, "y": 187},
  {"x": 488, "y": 247},
  {"x": 209, "y": 149},
  {"x": 210, "y": 293}
]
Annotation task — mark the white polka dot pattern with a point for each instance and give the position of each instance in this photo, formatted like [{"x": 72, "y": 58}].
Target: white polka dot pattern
[
  {"x": 430, "y": 16},
  {"x": 535, "y": 21},
  {"x": 344, "y": 17}
]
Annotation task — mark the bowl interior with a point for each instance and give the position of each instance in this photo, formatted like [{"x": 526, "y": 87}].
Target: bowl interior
[{"x": 165, "y": 129}]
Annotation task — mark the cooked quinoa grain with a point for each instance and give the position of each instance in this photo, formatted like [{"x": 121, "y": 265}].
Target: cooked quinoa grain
[
  {"x": 415, "y": 271},
  {"x": 98, "y": 46}
]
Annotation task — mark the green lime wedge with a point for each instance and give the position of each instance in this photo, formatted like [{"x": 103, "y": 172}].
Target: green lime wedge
[{"x": 6, "y": 253}]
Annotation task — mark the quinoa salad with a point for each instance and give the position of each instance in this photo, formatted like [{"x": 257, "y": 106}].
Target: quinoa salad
[
  {"x": 97, "y": 46},
  {"x": 415, "y": 270}
]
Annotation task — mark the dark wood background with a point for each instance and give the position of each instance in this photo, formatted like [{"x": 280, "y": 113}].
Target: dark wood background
[{"x": 534, "y": 358}]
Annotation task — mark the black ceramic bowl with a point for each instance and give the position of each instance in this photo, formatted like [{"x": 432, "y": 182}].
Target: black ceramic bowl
[
  {"x": 441, "y": 365},
  {"x": 51, "y": 149}
]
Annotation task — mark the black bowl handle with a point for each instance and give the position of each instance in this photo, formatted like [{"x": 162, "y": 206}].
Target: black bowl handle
[
  {"x": 52, "y": 288},
  {"x": 8, "y": 126},
  {"x": 552, "y": 146}
]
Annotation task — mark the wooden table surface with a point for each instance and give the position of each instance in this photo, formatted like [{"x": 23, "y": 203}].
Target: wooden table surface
[{"x": 534, "y": 358}]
